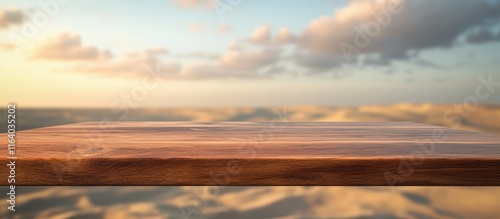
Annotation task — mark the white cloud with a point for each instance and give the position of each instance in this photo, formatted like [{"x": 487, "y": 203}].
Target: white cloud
[
  {"x": 197, "y": 27},
  {"x": 394, "y": 27},
  {"x": 67, "y": 46},
  {"x": 131, "y": 65},
  {"x": 261, "y": 34},
  {"x": 249, "y": 60},
  {"x": 284, "y": 35},
  {"x": 189, "y": 4}
]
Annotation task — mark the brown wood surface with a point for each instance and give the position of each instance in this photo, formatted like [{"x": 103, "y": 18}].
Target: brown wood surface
[{"x": 243, "y": 153}]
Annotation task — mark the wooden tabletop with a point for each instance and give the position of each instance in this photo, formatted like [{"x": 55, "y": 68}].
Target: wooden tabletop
[{"x": 244, "y": 153}]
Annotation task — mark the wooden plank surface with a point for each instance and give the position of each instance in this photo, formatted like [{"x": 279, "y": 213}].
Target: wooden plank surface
[{"x": 243, "y": 153}]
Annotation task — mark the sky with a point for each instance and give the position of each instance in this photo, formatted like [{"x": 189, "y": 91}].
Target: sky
[{"x": 205, "y": 53}]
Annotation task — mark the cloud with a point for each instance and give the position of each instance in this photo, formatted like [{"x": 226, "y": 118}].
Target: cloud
[
  {"x": 197, "y": 27},
  {"x": 68, "y": 46},
  {"x": 425, "y": 63},
  {"x": 189, "y": 4},
  {"x": 10, "y": 17},
  {"x": 199, "y": 55},
  {"x": 377, "y": 33},
  {"x": 481, "y": 36},
  {"x": 7, "y": 46},
  {"x": 223, "y": 28},
  {"x": 204, "y": 71},
  {"x": 284, "y": 35},
  {"x": 276, "y": 70},
  {"x": 235, "y": 62},
  {"x": 132, "y": 64},
  {"x": 393, "y": 28},
  {"x": 249, "y": 60},
  {"x": 261, "y": 35},
  {"x": 378, "y": 61},
  {"x": 234, "y": 46},
  {"x": 317, "y": 63}
]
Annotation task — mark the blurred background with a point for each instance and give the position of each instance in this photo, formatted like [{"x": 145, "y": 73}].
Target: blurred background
[
  {"x": 259, "y": 202},
  {"x": 483, "y": 118},
  {"x": 433, "y": 62}
]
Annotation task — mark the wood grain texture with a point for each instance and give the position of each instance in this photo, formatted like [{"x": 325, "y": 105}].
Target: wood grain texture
[{"x": 244, "y": 153}]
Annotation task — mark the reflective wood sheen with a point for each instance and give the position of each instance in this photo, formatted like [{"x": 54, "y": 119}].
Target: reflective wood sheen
[{"x": 244, "y": 153}]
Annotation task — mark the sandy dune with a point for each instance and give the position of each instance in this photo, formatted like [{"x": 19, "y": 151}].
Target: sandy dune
[
  {"x": 257, "y": 202},
  {"x": 481, "y": 119},
  {"x": 264, "y": 202}
]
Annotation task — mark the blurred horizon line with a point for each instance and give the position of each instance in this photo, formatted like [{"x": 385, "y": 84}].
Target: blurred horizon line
[{"x": 249, "y": 106}]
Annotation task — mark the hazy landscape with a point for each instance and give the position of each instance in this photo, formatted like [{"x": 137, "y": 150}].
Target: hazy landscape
[
  {"x": 263, "y": 202},
  {"x": 424, "y": 61},
  {"x": 484, "y": 118},
  {"x": 257, "y": 202}
]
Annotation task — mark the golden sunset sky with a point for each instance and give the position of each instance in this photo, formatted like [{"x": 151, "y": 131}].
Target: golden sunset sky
[{"x": 247, "y": 53}]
